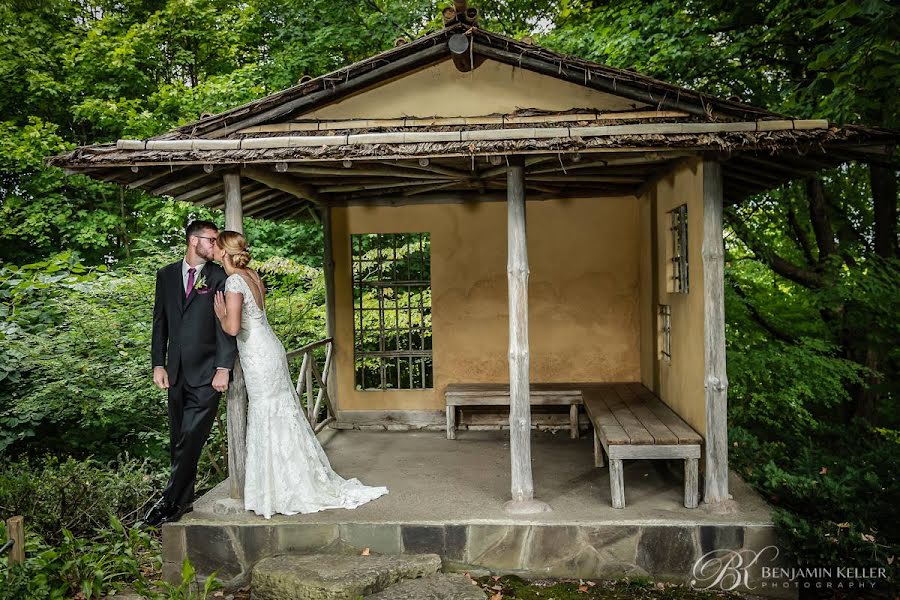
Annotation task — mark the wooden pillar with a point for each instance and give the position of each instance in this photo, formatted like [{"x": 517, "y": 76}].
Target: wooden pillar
[
  {"x": 15, "y": 531},
  {"x": 237, "y": 391},
  {"x": 330, "y": 324},
  {"x": 519, "y": 401},
  {"x": 716, "y": 380}
]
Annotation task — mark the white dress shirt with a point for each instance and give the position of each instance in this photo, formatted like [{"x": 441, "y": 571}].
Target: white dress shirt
[{"x": 184, "y": 273}]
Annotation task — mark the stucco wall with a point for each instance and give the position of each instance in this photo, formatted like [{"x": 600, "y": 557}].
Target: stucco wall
[
  {"x": 583, "y": 311},
  {"x": 681, "y": 378},
  {"x": 442, "y": 90}
]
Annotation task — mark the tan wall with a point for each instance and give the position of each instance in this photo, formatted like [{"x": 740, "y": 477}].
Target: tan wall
[
  {"x": 441, "y": 90},
  {"x": 681, "y": 379},
  {"x": 584, "y": 322}
]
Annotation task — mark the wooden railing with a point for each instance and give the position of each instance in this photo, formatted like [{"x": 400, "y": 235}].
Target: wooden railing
[{"x": 313, "y": 383}]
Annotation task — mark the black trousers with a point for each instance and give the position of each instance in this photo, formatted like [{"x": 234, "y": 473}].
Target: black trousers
[{"x": 192, "y": 412}]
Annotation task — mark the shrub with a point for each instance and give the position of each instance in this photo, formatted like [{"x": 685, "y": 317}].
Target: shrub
[{"x": 79, "y": 496}]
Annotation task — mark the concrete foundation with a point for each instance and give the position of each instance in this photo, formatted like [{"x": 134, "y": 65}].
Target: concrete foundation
[{"x": 446, "y": 497}]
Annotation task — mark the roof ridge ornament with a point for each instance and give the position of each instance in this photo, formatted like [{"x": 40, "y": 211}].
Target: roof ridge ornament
[{"x": 460, "y": 12}]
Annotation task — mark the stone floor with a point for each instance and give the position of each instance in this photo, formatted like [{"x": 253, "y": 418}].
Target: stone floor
[
  {"x": 434, "y": 480},
  {"x": 446, "y": 497}
]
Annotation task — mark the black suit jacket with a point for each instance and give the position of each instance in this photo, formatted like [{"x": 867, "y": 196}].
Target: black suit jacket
[{"x": 187, "y": 337}]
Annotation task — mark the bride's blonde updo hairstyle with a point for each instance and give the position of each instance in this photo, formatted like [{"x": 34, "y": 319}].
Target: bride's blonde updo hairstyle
[{"x": 235, "y": 246}]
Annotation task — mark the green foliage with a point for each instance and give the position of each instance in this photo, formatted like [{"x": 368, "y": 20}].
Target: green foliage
[
  {"x": 56, "y": 495},
  {"x": 186, "y": 589},
  {"x": 836, "y": 492},
  {"x": 113, "y": 558}
]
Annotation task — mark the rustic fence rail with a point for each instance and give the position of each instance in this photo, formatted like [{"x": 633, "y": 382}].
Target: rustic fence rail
[{"x": 312, "y": 383}]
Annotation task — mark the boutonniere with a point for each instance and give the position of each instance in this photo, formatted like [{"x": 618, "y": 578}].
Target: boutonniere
[{"x": 200, "y": 285}]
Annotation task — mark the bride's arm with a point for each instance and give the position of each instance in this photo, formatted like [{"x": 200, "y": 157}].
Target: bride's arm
[{"x": 228, "y": 310}]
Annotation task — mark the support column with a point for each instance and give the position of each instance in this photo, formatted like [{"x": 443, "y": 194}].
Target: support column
[
  {"x": 716, "y": 379},
  {"x": 523, "y": 501},
  {"x": 330, "y": 324},
  {"x": 236, "y": 396}
]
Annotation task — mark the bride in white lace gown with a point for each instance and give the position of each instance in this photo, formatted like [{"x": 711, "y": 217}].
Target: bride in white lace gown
[{"x": 287, "y": 471}]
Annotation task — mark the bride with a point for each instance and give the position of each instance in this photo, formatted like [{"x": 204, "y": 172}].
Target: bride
[{"x": 287, "y": 471}]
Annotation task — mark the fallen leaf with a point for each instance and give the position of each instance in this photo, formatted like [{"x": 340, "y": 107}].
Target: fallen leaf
[
  {"x": 867, "y": 538},
  {"x": 495, "y": 577},
  {"x": 498, "y": 588},
  {"x": 582, "y": 589},
  {"x": 466, "y": 573},
  {"x": 824, "y": 471},
  {"x": 591, "y": 583},
  {"x": 843, "y": 525},
  {"x": 497, "y": 596},
  {"x": 365, "y": 552}
]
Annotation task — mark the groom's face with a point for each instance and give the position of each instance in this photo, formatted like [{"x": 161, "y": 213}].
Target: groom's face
[{"x": 206, "y": 244}]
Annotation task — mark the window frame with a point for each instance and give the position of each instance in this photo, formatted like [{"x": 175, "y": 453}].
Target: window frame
[{"x": 395, "y": 344}]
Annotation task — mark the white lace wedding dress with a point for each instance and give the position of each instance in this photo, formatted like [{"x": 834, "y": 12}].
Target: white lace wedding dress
[{"x": 287, "y": 471}]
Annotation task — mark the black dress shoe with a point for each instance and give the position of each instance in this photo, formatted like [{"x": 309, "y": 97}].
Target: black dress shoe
[
  {"x": 159, "y": 513},
  {"x": 178, "y": 512}
]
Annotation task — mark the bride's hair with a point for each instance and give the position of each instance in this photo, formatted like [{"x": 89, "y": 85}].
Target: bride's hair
[{"x": 235, "y": 245}]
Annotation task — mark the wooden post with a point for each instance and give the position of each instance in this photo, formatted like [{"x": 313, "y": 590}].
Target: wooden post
[
  {"x": 716, "y": 380},
  {"x": 237, "y": 391},
  {"x": 15, "y": 530},
  {"x": 519, "y": 401},
  {"x": 330, "y": 323}
]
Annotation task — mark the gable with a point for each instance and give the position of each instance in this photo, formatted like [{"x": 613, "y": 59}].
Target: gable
[{"x": 492, "y": 88}]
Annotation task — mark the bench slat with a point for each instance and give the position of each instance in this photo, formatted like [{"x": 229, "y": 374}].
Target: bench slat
[
  {"x": 686, "y": 435},
  {"x": 637, "y": 433},
  {"x": 603, "y": 419},
  {"x": 496, "y": 400},
  {"x": 638, "y": 405}
]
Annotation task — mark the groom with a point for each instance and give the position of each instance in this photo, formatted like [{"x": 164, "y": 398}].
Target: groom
[{"x": 192, "y": 359}]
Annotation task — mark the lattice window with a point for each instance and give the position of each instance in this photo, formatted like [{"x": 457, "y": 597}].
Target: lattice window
[
  {"x": 665, "y": 331},
  {"x": 679, "y": 234},
  {"x": 392, "y": 310}
]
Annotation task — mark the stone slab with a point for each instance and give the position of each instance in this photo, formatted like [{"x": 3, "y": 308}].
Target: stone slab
[
  {"x": 433, "y": 587},
  {"x": 335, "y": 576}
]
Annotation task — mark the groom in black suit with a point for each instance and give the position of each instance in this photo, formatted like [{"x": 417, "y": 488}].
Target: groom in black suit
[{"x": 192, "y": 359}]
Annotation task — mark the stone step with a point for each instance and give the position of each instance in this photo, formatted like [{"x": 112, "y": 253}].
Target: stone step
[
  {"x": 448, "y": 586},
  {"x": 335, "y": 576}
]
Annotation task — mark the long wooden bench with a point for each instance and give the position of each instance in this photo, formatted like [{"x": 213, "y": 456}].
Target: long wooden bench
[
  {"x": 489, "y": 394},
  {"x": 631, "y": 422}
]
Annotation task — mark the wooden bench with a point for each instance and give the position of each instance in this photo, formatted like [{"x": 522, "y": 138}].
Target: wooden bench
[
  {"x": 631, "y": 422},
  {"x": 489, "y": 394}
]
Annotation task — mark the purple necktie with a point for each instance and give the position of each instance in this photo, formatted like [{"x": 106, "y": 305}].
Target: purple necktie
[{"x": 190, "y": 284}]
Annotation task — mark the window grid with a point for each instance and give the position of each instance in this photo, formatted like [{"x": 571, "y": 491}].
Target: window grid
[
  {"x": 679, "y": 229},
  {"x": 392, "y": 339},
  {"x": 665, "y": 331}
]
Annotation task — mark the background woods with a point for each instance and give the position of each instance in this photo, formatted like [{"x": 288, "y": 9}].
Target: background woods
[{"x": 812, "y": 268}]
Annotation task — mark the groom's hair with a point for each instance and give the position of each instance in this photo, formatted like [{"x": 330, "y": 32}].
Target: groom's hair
[{"x": 198, "y": 226}]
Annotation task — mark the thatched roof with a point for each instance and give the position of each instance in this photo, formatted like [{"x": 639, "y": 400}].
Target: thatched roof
[{"x": 291, "y": 164}]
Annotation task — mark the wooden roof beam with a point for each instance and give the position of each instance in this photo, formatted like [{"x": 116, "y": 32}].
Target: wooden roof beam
[
  {"x": 153, "y": 178},
  {"x": 177, "y": 184},
  {"x": 285, "y": 183}
]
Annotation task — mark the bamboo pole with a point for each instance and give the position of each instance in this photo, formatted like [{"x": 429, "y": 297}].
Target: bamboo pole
[
  {"x": 236, "y": 398},
  {"x": 716, "y": 383},
  {"x": 330, "y": 311},
  {"x": 523, "y": 501}
]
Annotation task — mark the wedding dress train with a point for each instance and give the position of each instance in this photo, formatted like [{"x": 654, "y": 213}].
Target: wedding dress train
[{"x": 287, "y": 471}]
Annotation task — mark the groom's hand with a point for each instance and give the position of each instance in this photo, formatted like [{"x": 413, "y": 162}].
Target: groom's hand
[
  {"x": 161, "y": 378},
  {"x": 220, "y": 380}
]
